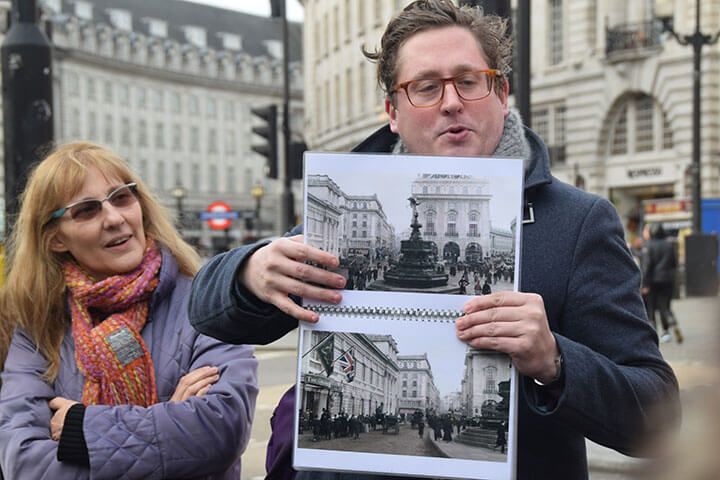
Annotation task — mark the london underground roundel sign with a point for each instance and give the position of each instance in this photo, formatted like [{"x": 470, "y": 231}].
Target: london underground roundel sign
[{"x": 219, "y": 216}]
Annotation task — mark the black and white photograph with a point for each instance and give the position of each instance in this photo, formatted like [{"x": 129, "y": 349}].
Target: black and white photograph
[
  {"x": 420, "y": 224},
  {"x": 403, "y": 394},
  {"x": 376, "y": 386}
]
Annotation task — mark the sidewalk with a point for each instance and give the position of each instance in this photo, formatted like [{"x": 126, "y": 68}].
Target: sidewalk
[{"x": 695, "y": 365}]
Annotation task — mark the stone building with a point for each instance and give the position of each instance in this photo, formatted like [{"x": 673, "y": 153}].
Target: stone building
[
  {"x": 417, "y": 385},
  {"x": 484, "y": 370},
  {"x": 169, "y": 85},
  {"x": 372, "y": 383}
]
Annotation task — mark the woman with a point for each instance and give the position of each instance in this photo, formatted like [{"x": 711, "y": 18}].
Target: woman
[{"x": 104, "y": 375}]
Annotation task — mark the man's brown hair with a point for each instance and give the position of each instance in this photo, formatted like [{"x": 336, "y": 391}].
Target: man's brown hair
[{"x": 490, "y": 31}]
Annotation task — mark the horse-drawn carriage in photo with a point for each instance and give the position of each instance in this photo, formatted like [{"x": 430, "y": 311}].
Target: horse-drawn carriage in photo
[{"x": 391, "y": 424}]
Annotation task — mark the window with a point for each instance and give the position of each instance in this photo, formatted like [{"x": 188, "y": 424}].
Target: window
[
  {"x": 212, "y": 141},
  {"x": 230, "y": 179},
  {"x": 230, "y": 147},
  {"x": 124, "y": 94},
  {"x": 349, "y": 94},
  {"x": 212, "y": 178},
  {"x": 194, "y": 139},
  {"x": 177, "y": 138},
  {"x": 141, "y": 97},
  {"x": 92, "y": 126},
  {"x": 556, "y": 32},
  {"x": 452, "y": 224},
  {"x": 109, "y": 129},
  {"x": 667, "y": 132},
  {"x": 619, "y": 136},
  {"x": 73, "y": 84},
  {"x": 195, "y": 178},
  {"x": 158, "y": 100},
  {"x": 193, "y": 105},
  {"x": 549, "y": 122},
  {"x": 91, "y": 93},
  {"x": 75, "y": 122},
  {"x": 142, "y": 133},
  {"x": 160, "y": 175},
  {"x": 125, "y": 131},
  {"x": 175, "y": 102},
  {"x": 430, "y": 223},
  {"x": 644, "y": 124},
  {"x": 229, "y": 110},
  {"x": 108, "y": 91},
  {"x": 211, "y": 108},
  {"x": 159, "y": 135}
]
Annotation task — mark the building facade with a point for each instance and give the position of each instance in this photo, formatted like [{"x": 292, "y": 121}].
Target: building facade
[
  {"x": 610, "y": 92},
  {"x": 417, "y": 385},
  {"x": 170, "y": 86},
  {"x": 371, "y": 386},
  {"x": 347, "y": 225},
  {"x": 484, "y": 371}
]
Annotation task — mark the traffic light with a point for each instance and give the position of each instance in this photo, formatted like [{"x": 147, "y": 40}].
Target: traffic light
[
  {"x": 268, "y": 131},
  {"x": 27, "y": 98},
  {"x": 295, "y": 161}
]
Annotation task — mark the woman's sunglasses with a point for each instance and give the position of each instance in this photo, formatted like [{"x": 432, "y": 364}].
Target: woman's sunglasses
[{"x": 85, "y": 210}]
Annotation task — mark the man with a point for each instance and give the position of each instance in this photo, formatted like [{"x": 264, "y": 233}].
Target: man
[{"x": 578, "y": 334}]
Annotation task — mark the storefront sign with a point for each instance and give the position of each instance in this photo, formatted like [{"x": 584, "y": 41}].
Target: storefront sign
[{"x": 635, "y": 173}]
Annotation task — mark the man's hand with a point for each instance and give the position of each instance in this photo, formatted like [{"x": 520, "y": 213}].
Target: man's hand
[
  {"x": 516, "y": 324},
  {"x": 278, "y": 269},
  {"x": 60, "y": 406},
  {"x": 196, "y": 383}
]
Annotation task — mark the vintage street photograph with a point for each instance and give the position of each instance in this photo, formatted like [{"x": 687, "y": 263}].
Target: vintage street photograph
[
  {"x": 401, "y": 393},
  {"x": 427, "y": 225}
]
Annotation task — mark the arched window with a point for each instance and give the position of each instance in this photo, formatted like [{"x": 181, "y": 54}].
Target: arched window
[
  {"x": 452, "y": 224},
  {"x": 639, "y": 125},
  {"x": 430, "y": 222},
  {"x": 473, "y": 225}
]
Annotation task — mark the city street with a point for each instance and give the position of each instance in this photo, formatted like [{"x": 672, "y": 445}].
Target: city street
[{"x": 694, "y": 362}]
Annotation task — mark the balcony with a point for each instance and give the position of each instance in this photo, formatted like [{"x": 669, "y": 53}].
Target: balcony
[{"x": 630, "y": 41}]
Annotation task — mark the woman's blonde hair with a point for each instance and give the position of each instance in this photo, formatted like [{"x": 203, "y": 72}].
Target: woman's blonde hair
[{"x": 34, "y": 292}]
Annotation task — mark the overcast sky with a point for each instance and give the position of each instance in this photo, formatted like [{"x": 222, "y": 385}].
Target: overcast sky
[{"x": 257, "y": 7}]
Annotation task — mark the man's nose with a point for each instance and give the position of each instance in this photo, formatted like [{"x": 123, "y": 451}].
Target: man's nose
[{"x": 451, "y": 101}]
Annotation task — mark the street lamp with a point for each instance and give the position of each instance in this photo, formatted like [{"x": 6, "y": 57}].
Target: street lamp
[
  {"x": 257, "y": 192},
  {"x": 664, "y": 10},
  {"x": 179, "y": 193}
]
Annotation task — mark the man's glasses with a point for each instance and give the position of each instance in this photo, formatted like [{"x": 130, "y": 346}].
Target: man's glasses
[
  {"x": 85, "y": 210},
  {"x": 428, "y": 92}
]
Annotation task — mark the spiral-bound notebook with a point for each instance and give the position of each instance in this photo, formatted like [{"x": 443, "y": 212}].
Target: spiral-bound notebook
[{"x": 385, "y": 386}]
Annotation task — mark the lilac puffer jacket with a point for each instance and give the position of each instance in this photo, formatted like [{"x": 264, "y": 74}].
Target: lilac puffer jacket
[{"x": 201, "y": 437}]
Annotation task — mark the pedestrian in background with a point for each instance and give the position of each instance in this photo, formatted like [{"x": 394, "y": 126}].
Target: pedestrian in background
[
  {"x": 659, "y": 267},
  {"x": 104, "y": 375}
]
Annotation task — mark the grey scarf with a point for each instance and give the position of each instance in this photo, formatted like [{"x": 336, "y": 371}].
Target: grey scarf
[{"x": 512, "y": 142}]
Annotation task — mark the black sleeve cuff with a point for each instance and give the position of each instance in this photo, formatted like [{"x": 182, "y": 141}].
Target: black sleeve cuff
[{"x": 72, "y": 447}]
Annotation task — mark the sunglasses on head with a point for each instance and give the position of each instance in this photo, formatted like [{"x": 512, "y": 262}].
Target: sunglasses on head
[{"x": 85, "y": 210}]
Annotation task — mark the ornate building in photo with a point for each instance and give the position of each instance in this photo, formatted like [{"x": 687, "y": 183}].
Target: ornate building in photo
[
  {"x": 417, "y": 385},
  {"x": 611, "y": 92},
  {"x": 169, "y": 85},
  {"x": 484, "y": 371},
  {"x": 357, "y": 222},
  {"x": 454, "y": 211},
  {"x": 371, "y": 382}
]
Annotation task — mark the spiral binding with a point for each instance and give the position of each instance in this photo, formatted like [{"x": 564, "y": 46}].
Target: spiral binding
[{"x": 398, "y": 313}]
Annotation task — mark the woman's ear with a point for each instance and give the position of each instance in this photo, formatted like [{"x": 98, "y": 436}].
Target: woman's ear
[{"x": 57, "y": 245}]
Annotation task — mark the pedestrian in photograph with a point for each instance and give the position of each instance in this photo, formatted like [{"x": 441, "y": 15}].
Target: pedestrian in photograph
[
  {"x": 104, "y": 374},
  {"x": 478, "y": 287},
  {"x": 501, "y": 439},
  {"x": 463, "y": 283},
  {"x": 577, "y": 333},
  {"x": 486, "y": 289},
  {"x": 659, "y": 268},
  {"x": 421, "y": 427}
]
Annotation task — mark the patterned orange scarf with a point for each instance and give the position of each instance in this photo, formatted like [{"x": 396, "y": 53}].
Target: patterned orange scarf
[{"x": 111, "y": 354}]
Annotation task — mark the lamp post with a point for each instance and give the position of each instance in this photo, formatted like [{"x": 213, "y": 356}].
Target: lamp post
[
  {"x": 179, "y": 193},
  {"x": 664, "y": 10},
  {"x": 257, "y": 192}
]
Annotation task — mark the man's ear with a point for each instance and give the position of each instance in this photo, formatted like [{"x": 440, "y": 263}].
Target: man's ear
[
  {"x": 57, "y": 245},
  {"x": 392, "y": 113},
  {"x": 504, "y": 97}
]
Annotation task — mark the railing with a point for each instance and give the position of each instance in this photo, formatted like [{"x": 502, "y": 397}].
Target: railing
[{"x": 630, "y": 37}]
